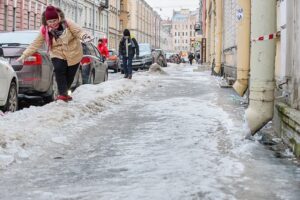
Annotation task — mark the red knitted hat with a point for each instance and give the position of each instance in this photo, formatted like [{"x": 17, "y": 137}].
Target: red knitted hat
[{"x": 51, "y": 13}]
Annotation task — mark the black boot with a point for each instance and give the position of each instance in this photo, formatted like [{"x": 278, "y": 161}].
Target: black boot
[
  {"x": 130, "y": 76},
  {"x": 126, "y": 76}
]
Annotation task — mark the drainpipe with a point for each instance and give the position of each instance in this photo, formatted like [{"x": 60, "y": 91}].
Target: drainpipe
[
  {"x": 263, "y": 22},
  {"x": 218, "y": 42},
  {"x": 207, "y": 33},
  {"x": 243, "y": 47},
  {"x": 14, "y": 15},
  {"x": 94, "y": 18},
  {"x": 212, "y": 34}
]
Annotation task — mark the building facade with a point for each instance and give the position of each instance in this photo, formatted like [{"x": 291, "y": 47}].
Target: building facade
[
  {"x": 21, "y": 14},
  {"x": 124, "y": 15},
  {"x": 184, "y": 35},
  {"x": 273, "y": 86},
  {"x": 229, "y": 37},
  {"x": 143, "y": 22},
  {"x": 166, "y": 36},
  {"x": 90, "y": 15},
  {"x": 26, "y": 14},
  {"x": 114, "y": 24}
]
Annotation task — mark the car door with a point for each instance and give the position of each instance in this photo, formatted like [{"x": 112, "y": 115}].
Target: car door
[
  {"x": 4, "y": 81},
  {"x": 99, "y": 65}
]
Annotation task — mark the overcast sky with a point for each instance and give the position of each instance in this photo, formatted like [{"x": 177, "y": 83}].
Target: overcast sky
[{"x": 165, "y": 7}]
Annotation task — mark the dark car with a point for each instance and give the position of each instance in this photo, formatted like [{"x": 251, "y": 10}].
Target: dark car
[
  {"x": 160, "y": 57},
  {"x": 113, "y": 61},
  {"x": 145, "y": 58},
  {"x": 35, "y": 74},
  {"x": 92, "y": 66}
]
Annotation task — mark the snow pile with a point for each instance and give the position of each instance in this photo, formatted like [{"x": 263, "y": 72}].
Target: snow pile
[
  {"x": 156, "y": 69},
  {"x": 29, "y": 131}
]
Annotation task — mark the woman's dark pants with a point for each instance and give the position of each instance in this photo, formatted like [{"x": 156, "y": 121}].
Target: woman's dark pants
[{"x": 64, "y": 74}]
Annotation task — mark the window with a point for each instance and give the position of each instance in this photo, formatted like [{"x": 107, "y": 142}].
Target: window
[{"x": 175, "y": 33}]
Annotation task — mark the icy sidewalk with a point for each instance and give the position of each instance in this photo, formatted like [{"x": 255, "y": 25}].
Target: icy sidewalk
[{"x": 27, "y": 132}]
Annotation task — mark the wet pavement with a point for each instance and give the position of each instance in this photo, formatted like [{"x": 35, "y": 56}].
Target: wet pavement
[{"x": 182, "y": 138}]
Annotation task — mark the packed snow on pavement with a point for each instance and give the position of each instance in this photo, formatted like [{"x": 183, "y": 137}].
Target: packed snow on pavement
[
  {"x": 177, "y": 136},
  {"x": 27, "y": 132}
]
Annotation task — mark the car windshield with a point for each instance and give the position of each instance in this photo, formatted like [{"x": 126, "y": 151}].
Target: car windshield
[
  {"x": 17, "y": 37},
  {"x": 144, "y": 49},
  {"x": 168, "y": 55}
]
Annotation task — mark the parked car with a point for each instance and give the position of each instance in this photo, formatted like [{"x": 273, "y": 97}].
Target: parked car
[
  {"x": 8, "y": 86},
  {"x": 35, "y": 74},
  {"x": 160, "y": 57},
  {"x": 113, "y": 61},
  {"x": 144, "y": 60},
  {"x": 92, "y": 66},
  {"x": 169, "y": 57}
]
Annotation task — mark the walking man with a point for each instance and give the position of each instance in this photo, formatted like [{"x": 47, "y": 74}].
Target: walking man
[{"x": 128, "y": 47}]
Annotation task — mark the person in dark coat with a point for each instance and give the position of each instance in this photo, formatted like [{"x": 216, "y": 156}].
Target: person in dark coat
[
  {"x": 191, "y": 58},
  {"x": 128, "y": 48}
]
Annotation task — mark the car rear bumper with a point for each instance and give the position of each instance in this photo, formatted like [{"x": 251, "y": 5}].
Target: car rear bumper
[{"x": 112, "y": 65}]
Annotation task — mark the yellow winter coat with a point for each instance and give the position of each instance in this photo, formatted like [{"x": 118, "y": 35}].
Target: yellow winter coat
[{"x": 67, "y": 46}]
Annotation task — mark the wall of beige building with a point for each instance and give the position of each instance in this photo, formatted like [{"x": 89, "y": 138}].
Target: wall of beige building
[
  {"x": 286, "y": 120},
  {"x": 230, "y": 37},
  {"x": 114, "y": 24},
  {"x": 143, "y": 22},
  {"x": 183, "y": 31},
  {"x": 124, "y": 15}
]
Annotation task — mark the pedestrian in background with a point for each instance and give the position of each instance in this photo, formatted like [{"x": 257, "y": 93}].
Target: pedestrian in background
[
  {"x": 198, "y": 57},
  {"x": 102, "y": 47},
  {"x": 191, "y": 58},
  {"x": 62, "y": 37},
  {"x": 128, "y": 47}
]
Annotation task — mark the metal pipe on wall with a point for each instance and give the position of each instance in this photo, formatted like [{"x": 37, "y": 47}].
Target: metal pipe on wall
[
  {"x": 208, "y": 7},
  {"x": 219, "y": 35},
  {"x": 212, "y": 33},
  {"x": 243, "y": 47},
  {"x": 262, "y": 65}
]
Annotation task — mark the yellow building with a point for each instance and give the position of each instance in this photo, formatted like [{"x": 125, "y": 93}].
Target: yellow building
[{"x": 114, "y": 24}]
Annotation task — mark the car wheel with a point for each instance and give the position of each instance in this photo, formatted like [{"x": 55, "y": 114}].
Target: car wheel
[
  {"x": 79, "y": 79},
  {"x": 12, "y": 99},
  {"x": 105, "y": 76},
  {"x": 52, "y": 92},
  {"x": 92, "y": 78}
]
